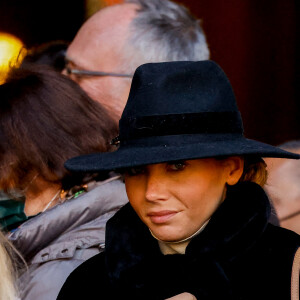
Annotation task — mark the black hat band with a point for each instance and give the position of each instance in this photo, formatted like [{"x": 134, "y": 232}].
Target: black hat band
[{"x": 178, "y": 124}]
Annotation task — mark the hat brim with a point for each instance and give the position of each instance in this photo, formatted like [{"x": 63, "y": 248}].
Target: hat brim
[{"x": 126, "y": 157}]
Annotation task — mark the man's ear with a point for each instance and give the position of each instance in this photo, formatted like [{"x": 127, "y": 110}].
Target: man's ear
[{"x": 235, "y": 167}]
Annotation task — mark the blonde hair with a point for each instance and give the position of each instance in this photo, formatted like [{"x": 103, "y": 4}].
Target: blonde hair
[
  {"x": 254, "y": 171},
  {"x": 8, "y": 289}
]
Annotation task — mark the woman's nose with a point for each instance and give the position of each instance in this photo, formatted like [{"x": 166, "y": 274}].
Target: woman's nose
[{"x": 156, "y": 188}]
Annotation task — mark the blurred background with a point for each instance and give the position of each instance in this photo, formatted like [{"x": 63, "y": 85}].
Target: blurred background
[{"x": 256, "y": 43}]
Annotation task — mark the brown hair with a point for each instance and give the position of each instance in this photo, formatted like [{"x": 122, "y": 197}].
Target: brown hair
[
  {"x": 254, "y": 170},
  {"x": 45, "y": 119}
]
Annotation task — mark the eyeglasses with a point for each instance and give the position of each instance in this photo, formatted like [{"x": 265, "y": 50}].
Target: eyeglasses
[{"x": 78, "y": 72}]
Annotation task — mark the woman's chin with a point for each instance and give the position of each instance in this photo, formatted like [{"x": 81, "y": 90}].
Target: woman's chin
[{"x": 167, "y": 235}]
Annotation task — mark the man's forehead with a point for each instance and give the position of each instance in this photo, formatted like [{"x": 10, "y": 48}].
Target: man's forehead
[
  {"x": 111, "y": 18},
  {"x": 104, "y": 34},
  {"x": 125, "y": 11}
]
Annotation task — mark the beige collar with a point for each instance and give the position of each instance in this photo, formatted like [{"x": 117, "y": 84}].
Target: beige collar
[{"x": 177, "y": 247}]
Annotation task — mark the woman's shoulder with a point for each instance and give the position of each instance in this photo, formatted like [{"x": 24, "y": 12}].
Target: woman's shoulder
[
  {"x": 88, "y": 279},
  {"x": 277, "y": 247},
  {"x": 95, "y": 263},
  {"x": 281, "y": 238}
]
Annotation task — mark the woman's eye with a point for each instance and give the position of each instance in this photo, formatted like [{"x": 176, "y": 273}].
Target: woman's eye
[
  {"x": 177, "y": 166},
  {"x": 134, "y": 171}
]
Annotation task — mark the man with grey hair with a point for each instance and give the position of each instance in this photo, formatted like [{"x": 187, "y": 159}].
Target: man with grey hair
[
  {"x": 283, "y": 187},
  {"x": 112, "y": 43}
]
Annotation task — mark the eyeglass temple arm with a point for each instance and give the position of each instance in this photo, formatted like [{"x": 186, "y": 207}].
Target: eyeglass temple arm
[{"x": 96, "y": 73}]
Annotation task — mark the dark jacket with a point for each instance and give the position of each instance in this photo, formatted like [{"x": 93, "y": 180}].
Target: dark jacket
[{"x": 237, "y": 256}]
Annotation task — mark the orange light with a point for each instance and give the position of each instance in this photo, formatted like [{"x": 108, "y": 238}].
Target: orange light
[
  {"x": 112, "y": 2},
  {"x": 11, "y": 53}
]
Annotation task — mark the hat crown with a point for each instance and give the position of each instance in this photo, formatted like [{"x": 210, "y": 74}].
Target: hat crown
[
  {"x": 179, "y": 87},
  {"x": 199, "y": 92}
]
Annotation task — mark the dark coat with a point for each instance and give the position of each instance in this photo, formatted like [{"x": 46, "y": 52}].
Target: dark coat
[{"x": 237, "y": 256}]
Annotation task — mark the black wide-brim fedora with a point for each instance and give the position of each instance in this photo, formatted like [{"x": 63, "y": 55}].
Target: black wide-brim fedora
[{"x": 177, "y": 111}]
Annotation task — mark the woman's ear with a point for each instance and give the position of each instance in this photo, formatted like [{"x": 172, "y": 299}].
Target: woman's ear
[{"x": 235, "y": 167}]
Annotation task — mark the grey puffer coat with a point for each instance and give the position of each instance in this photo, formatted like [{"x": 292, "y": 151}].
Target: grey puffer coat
[{"x": 55, "y": 242}]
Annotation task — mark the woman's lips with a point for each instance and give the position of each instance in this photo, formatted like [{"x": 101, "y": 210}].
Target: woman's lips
[{"x": 160, "y": 217}]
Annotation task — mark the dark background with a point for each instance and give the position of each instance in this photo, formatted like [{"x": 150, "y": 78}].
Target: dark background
[
  {"x": 254, "y": 41},
  {"x": 38, "y": 21}
]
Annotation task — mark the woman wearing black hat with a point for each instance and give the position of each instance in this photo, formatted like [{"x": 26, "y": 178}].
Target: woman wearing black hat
[{"x": 197, "y": 221}]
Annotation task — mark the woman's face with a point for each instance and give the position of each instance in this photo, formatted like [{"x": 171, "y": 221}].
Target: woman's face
[{"x": 175, "y": 199}]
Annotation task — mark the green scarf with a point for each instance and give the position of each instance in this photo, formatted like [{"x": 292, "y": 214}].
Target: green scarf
[{"x": 12, "y": 213}]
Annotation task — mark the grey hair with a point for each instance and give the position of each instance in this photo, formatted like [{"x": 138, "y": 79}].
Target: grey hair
[
  {"x": 290, "y": 145},
  {"x": 164, "y": 31}
]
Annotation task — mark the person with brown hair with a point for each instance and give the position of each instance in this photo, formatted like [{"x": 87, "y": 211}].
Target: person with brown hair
[
  {"x": 56, "y": 219},
  {"x": 196, "y": 224},
  {"x": 50, "y": 53}
]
